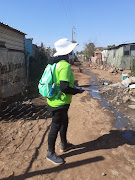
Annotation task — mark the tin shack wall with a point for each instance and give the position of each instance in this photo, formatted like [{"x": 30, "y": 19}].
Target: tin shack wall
[{"x": 12, "y": 63}]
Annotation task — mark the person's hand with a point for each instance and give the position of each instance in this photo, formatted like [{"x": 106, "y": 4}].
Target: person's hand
[{"x": 80, "y": 91}]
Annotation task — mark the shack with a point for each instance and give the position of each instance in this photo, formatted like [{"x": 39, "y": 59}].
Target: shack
[
  {"x": 12, "y": 61},
  {"x": 121, "y": 56},
  {"x": 97, "y": 59}
]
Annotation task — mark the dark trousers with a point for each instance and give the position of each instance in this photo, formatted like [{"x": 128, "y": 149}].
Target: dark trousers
[{"x": 59, "y": 124}]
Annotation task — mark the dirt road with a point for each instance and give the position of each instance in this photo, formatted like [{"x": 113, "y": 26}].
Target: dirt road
[{"x": 101, "y": 152}]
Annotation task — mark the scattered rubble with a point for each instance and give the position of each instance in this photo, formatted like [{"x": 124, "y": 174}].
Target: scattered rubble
[
  {"x": 126, "y": 99},
  {"x": 131, "y": 106},
  {"x": 111, "y": 70},
  {"x": 132, "y": 99},
  {"x": 104, "y": 174},
  {"x": 126, "y": 82},
  {"x": 120, "y": 95}
]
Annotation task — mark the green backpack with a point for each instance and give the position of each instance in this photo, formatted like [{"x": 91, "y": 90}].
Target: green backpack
[{"x": 47, "y": 86}]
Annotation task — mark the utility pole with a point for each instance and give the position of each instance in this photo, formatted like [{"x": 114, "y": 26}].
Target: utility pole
[{"x": 73, "y": 32}]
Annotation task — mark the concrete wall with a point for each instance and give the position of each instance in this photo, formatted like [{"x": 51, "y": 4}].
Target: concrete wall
[
  {"x": 13, "y": 75},
  {"x": 12, "y": 63}
]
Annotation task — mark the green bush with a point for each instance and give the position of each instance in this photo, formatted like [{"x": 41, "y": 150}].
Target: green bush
[{"x": 37, "y": 65}]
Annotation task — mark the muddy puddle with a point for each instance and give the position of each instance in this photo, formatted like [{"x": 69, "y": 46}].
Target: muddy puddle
[{"x": 121, "y": 122}]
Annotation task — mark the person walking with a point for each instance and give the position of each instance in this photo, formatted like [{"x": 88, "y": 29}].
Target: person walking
[{"x": 59, "y": 104}]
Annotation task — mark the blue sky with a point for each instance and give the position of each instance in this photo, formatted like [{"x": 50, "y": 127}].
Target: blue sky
[{"x": 103, "y": 22}]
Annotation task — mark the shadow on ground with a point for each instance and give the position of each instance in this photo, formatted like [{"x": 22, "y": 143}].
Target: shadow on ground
[
  {"x": 55, "y": 169},
  {"x": 114, "y": 139},
  {"x": 108, "y": 141},
  {"x": 23, "y": 110}
]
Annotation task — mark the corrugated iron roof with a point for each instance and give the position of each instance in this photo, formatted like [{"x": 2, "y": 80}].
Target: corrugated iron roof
[
  {"x": 120, "y": 45},
  {"x": 11, "y": 28}
]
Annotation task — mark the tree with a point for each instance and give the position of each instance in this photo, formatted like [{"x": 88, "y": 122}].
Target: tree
[
  {"x": 89, "y": 50},
  {"x": 101, "y": 48},
  {"x": 111, "y": 46},
  {"x": 37, "y": 65}
]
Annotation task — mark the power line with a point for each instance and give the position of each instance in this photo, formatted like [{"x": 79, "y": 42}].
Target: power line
[{"x": 66, "y": 5}]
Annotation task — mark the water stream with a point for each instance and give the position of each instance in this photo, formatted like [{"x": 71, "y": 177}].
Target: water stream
[{"x": 121, "y": 121}]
